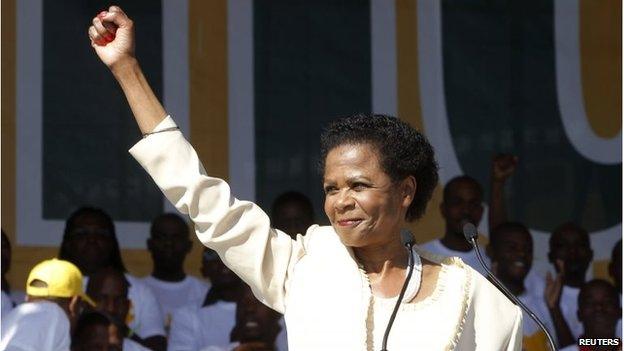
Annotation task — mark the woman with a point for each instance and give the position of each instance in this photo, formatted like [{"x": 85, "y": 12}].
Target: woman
[{"x": 337, "y": 284}]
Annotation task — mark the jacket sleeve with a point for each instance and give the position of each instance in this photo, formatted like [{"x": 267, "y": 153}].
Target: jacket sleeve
[{"x": 239, "y": 231}]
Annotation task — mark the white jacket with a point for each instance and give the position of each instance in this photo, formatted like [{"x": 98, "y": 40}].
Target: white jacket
[{"x": 315, "y": 280}]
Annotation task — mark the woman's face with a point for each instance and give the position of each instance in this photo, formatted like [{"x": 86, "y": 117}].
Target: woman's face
[{"x": 365, "y": 207}]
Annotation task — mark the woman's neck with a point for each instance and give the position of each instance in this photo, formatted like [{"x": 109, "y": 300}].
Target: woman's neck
[{"x": 378, "y": 259}]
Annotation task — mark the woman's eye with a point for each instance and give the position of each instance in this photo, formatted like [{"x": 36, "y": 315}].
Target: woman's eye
[
  {"x": 359, "y": 186},
  {"x": 329, "y": 189}
]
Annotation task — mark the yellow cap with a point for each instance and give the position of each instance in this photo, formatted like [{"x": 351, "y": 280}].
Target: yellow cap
[{"x": 61, "y": 278}]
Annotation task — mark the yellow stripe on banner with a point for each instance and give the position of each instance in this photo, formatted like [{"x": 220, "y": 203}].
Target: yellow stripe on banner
[
  {"x": 8, "y": 117},
  {"x": 23, "y": 258},
  {"x": 208, "y": 94},
  {"x": 431, "y": 225},
  {"x": 600, "y": 27}
]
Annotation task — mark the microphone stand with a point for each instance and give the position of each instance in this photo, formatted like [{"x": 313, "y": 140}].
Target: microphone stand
[
  {"x": 472, "y": 239},
  {"x": 410, "y": 261}
]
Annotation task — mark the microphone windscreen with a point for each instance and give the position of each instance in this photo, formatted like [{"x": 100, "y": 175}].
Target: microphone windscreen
[
  {"x": 470, "y": 231},
  {"x": 406, "y": 237}
]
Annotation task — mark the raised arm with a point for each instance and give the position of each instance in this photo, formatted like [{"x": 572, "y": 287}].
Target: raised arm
[
  {"x": 238, "y": 230},
  {"x": 112, "y": 37},
  {"x": 503, "y": 166}
]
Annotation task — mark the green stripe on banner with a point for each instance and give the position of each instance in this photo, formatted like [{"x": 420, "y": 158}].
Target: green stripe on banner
[
  {"x": 311, "y": 63},
  {"x": 87, "y": 124}
]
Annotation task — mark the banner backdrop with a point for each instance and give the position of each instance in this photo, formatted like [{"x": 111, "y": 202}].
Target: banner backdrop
[{"x": 539, "y": 79}]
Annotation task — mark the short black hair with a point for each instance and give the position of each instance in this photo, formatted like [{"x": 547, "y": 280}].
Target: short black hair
[
  {"x": 565, "y": 227},
  {"x": 109, "y": 272},
  {"x": 86, "y": 321},
  {"x": 595, "y": 283},
  {"x": 459, "y": 179},
  {"x": 500, "y": 230},
  {"x": 293, "y": 197},
  {"x": 403, "y": 151},
  {"x": 70, "y": 224},
  {"x": 169, "y": 216}
]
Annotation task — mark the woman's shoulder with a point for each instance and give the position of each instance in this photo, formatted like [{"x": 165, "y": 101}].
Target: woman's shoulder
[
  {"x": 437, "y": 258},
  {"x": 319, "y": 235}
]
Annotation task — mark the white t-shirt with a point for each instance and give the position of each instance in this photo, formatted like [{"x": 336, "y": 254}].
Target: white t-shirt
[
  {"x": 469, "y": 257},
  {"x": 7, "y": 304},
  {"x": 131, "y": 345},
  {"x": 537, "y": 304},
  {"x": 194, "y": 328},
  {"x": 36, "y": 326},
  {"x": 569, "y": 307},
  {"x": 173, "y": 295},
  {"x": 145, "y": 317}
]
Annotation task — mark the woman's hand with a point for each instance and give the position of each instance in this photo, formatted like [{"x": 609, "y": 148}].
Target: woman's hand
[{"x": 112, "y": 37}]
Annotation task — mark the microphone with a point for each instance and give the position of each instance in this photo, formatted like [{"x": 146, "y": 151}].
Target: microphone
[
  {"x": 408, "y": 241},
  {"x": 470, "y": 233}
]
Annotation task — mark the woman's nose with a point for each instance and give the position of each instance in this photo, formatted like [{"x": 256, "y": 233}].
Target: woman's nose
[{"x": 344, "y": 200}]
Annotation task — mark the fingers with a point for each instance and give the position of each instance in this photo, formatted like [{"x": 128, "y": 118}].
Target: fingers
[
  {"x": 102, "y": 32},
  {"x": 105, "y": 24},
  {"x": 116, "y": 16},
  {"x": 549, "y": 280},
  {"x": 96, "y": 38},
  {"x": 561, "y": 267}
]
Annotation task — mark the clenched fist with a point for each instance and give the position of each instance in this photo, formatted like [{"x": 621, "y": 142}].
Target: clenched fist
[{"x": 112, "y": 36}]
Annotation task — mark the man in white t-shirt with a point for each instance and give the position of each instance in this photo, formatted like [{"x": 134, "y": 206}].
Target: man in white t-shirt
[
  {"x": 599, "y": 311},
  {"x": 44, "y": 322},
  {"x": 169, "y": 244},
  {"x": 194, "y": 328},
  {"x": 511, "y": 251},
  {"x": 462, "y": 202},
  {"x": 570, "y": 254}
]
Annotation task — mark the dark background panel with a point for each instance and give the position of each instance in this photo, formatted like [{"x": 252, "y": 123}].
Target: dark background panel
[
  {"x": 87, "y": 124},
  {"x": 499, "y": 71},
  {"x": 312, "y": 64}
]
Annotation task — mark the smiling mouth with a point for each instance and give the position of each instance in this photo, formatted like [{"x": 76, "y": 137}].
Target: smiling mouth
[
  {"x": 349, "y": 222},
  {"x": 519, "y": 264},
  {"x": 251, "y": 324}
]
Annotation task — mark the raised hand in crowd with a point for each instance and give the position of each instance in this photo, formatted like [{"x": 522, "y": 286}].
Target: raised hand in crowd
[
  {"x": 503, "y": 167},
  {"x": 552, "y": 295}
]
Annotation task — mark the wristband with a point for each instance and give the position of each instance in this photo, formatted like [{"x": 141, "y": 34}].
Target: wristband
[{"x": 171, "y": 129}]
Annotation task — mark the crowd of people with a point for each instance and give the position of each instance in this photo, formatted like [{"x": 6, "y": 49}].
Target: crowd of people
[
  {"x": 337, "y": 284},
  {"x": 86, "y": 299},
  {"x": 570, "y": 306}
]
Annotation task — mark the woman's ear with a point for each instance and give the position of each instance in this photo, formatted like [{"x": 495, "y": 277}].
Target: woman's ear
[{"x": 408, "y": 190}]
